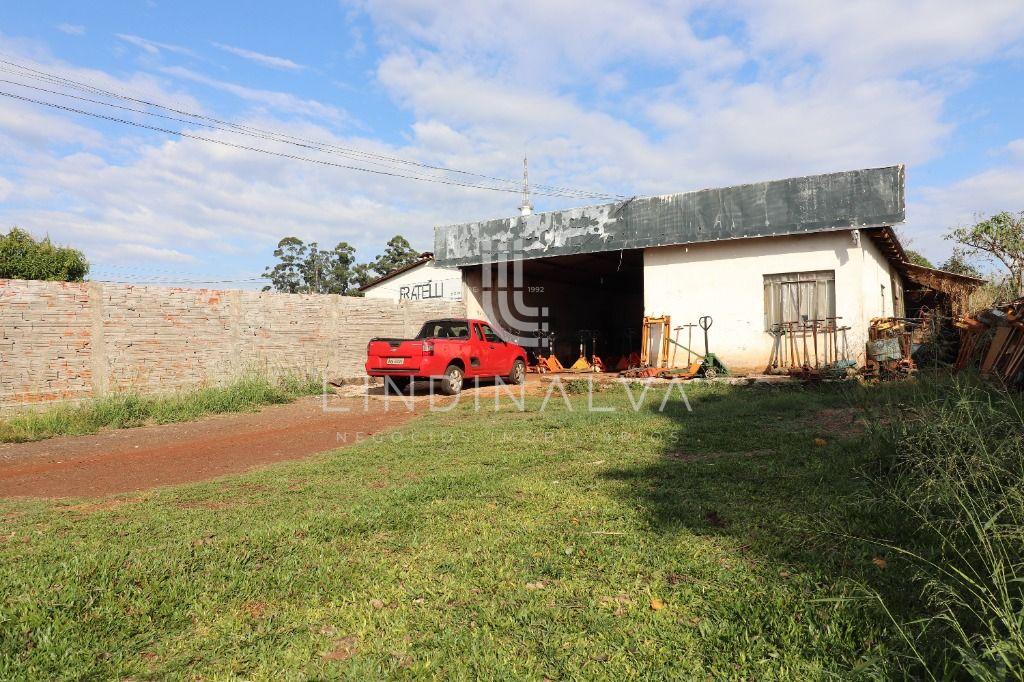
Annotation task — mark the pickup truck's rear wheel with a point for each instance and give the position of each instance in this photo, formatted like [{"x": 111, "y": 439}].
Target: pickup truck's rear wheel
[
  {"x": 451, "y": 382},
  {"x": 518, "y": 373}
]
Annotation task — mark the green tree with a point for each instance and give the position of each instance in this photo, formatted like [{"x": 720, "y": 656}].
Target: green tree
[
  {"x": 22, "y": 257},
  {"x": 397, "y": 253},
  {"x": 958, "y": 264},
  {"x": 999, "y": 238},
  {"x": 918, "y": 258},
  {"x": 330, "y": 272},
  {"x": 362, "y": 274},
  {"x": 308, "y": 269},
  {"x": 287, "y": 276}
]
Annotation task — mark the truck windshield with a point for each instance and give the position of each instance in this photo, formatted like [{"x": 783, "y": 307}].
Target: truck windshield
[{"x": 444, "y": 329}]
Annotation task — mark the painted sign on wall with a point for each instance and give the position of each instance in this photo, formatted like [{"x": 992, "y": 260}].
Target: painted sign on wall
[
  {"x": 421, "y": 291},
  {"x": 424, "y": 282}
]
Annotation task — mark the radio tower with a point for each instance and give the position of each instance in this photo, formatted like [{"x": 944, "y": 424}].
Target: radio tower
[{"x": 526, "y": 208}]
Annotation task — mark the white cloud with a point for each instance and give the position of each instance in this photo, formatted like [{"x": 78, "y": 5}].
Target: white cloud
[
  {"x": 759, "y": 131},
  {"x": 135, "y": 252},
  {"x": 877, "y": 37},
  {"x": 727, "y": 133},
  {"x": 804, "y": 88},
  {"x": 934, "y": 210},
  {"x": 188, "y": 200},
  {"x": 71, "y": 29},
  {"x": 143, "y": 85},
  {"x": 153, "y": 47},
  {"x": 539, "y": 42},
  {"x": 279, "y": 101},
  {"x": 260, "y": 58},
  {"x": 601, "y": 96},
  {"x": 25, "y": 126}
]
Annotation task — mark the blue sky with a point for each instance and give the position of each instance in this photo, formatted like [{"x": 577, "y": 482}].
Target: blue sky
[{"x": 630, "y": 98}]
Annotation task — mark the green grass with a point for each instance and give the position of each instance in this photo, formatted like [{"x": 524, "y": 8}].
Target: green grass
[
  {"x": 480, "y": 545},
  {"x": 129, "y": 410},
  {"x": 951, "y": 467}
]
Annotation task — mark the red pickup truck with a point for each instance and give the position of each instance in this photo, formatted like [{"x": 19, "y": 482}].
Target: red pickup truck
[{"x": 452, "y": 350}]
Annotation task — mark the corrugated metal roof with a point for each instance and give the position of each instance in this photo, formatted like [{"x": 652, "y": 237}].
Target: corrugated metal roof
[{"x": 871, "y": 197}]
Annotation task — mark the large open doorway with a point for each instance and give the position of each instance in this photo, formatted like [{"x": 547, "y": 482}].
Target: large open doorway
[{"x": 595, "y": 299}]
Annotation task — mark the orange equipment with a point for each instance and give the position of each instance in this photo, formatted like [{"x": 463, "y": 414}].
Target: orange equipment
[
  {"x": 627, "y": 361},
  {"x": 546, "y": 363},
  {"x": 552, "y": 364},
  {"x": 583, "y": 363},
  {"x": 654, "y": 341}
]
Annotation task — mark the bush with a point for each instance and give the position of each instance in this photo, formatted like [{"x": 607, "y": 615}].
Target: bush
[
  {"x": 583, "y": 386},
  {"x": 951, "y": 469},
  {"x": 22, "y": 257}
]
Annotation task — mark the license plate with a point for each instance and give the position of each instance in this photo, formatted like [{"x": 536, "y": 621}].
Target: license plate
[{"x": 396, "y": 361}]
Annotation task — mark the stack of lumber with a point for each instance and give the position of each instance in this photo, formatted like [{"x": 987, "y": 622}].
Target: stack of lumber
[{"x": 993, "y": 340}]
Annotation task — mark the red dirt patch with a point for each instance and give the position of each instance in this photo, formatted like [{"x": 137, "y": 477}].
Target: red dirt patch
[
  {"x": 106, "y": 505},
  {"x": 841, "y": 421},
  {"x": 128, "y": 460},
  {"x": 213, "y": 505},
  {"x": 342, "y": 649}
]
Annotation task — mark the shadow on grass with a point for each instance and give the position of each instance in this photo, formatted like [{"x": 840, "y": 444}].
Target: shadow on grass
[{"x": 778, "y": 474}]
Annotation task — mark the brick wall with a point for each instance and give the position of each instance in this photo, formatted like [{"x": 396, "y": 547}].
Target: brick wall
[{"x": 69, "y": 341}]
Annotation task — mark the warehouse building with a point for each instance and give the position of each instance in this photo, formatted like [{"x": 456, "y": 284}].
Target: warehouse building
[
  {"x": 420, "y": 280},
  {"x": 750, "y": 257}
]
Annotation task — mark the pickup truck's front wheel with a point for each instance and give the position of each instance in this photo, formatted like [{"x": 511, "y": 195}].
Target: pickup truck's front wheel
[
  {"x": 451, "y": 383},
  {"x": 518, "y": 373}
]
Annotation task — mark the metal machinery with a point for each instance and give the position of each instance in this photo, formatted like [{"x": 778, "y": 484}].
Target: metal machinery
[
  {"x": 655, "y": 359},
  {"x": 541, "y": 363},
  {"x": 591, "y": 362}
]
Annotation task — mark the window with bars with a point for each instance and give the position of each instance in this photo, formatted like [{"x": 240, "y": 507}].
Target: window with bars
[{"x": 799, "y": 296}]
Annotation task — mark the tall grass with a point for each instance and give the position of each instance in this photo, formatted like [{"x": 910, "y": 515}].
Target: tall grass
[
  {"x": 128, "y": 410},
  {"x": 951, "y": 469}
]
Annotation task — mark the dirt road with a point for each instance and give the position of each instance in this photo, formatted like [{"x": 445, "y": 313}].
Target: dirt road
[{"x": 127, "y": 460}]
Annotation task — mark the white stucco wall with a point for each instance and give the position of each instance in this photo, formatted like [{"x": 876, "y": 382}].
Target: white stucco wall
[
  {"x": 725, "y": 280},
  {"x": 423, "y": 282},
  {"x": 471, "y": 294}
]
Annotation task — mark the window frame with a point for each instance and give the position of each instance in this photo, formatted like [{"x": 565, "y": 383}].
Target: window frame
[
  {"x": 496, "y": 339},
  {"x": 439, "y": 324},
  {"x": 777, "y": 296}
]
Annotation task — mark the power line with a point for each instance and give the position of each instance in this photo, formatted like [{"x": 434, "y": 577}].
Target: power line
[
  {"x": 182, "y": 281},
  {"x": 269, "y": 137},
  {"x": 282, "y": 155},
  {"x": 226, "y": 126},
  {"x": 143, "y": 269},
  {"x": 129, "y": 274},
  {"x": 120, "y": 277}
]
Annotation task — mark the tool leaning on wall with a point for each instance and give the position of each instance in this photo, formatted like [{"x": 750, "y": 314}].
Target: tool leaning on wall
[
  {"x": 657, "y": 358},
  {"x": 809, "y": 348}
]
